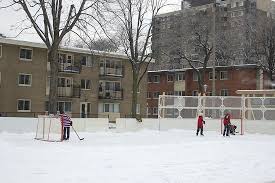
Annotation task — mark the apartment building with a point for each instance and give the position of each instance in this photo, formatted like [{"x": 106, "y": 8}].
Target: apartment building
[
  {"x": 232, "y": 21},
  {"x": 90, "y": 84},
  {"x": 183, "y": 82}
]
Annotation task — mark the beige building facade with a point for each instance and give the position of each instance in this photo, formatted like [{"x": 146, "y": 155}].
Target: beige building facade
[{"x": 90, "y": 84}]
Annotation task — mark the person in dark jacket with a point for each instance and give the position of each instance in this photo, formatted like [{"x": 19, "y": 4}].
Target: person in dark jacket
[
  {"x": 66, "y": 123},
  {"x": 200, "y": 125},
  {"x": 227, "y": 124}
]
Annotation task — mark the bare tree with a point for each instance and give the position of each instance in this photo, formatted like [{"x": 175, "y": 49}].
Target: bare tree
[
  {"x": 102, "y": 44},
  {"x": 197, "y": 45},
  {"x": 266, "y": 46},
  {"x": 130, "y": 22},
  {"x": 51, "y": 23}
]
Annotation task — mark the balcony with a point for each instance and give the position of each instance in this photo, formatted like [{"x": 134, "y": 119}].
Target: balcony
[
  {"x": 108, "y": 71},
  {"x": 111, "y": 94},
  {"x": 69, "y": 92},
  {"x": 69, "y": 68}
]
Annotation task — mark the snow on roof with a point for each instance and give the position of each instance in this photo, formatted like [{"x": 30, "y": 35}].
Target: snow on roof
[{"x": 63, "y": 48}]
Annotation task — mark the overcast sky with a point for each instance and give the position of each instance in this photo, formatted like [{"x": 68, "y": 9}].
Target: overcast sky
[{"x": 10, "y": 18}]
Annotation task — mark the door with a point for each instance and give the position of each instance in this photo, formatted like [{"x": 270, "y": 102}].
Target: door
[{"x": 85, "y": 109}]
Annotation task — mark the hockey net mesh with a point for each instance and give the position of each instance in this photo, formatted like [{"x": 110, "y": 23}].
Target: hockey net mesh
[
  {"x": 238, "y": 122},
  {"x": 49, "y": 128}
]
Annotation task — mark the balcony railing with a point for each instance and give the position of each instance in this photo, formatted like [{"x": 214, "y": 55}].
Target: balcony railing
[
  {"x": 108, "y": 71},
  {"x": 69, "y": 68},
  {"x": 70, "y": 92},
  {"x": 111, "y": 94}
]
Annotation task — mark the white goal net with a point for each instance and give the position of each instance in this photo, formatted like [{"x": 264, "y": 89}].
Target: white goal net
[{"x": 49, "y": 128}]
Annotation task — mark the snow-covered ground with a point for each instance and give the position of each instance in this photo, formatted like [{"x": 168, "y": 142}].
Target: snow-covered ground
[{"x": 174, "y": 156}]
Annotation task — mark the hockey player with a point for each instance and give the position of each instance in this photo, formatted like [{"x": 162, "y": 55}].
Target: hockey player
[
  {"x": 227, "y": 124},
  {"x": 233, "y": 129},
  {"x": 66, "y": 122},
  {"x": 200, "y": 125}
]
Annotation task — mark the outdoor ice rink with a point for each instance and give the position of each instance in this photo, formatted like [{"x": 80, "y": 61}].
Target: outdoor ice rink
[{"x": 173, "y": 156}]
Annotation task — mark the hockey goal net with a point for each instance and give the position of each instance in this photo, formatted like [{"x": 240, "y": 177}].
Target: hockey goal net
[
  {"x": 237, "y": 125},
  {"x": 49, "y": 128}
]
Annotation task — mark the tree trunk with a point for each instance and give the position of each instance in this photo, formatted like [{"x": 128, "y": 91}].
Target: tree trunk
[
  {"x": 134, "y": 97},
  {"x": 53, "y": 59}
]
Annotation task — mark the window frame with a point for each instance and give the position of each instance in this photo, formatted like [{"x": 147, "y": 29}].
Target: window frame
[
  {"x": 138, "y": 109},
  {"x": 64, "y": 107},
  {"x": 1, "y": 51},
  {"x": 154, "y": 94},
  {"x": 222, "y": 90},
  {"x": 153, "y": 112},
  {"x": 178, "y": 77},
  {"x": 195, "y": 74},
  {"x": 25, "y": 59},
  {"x": 211, "y": 74},
  {"x": 85, "y": 80},
  {"x": 158, "y": 76},
  {"x": 226, "y": 75},
  {"x": 29, "y": 110},
  {"x": 171, "y": 75},
  {"x": 25, "y": 74},
  {"x": 88, "y": 59}
]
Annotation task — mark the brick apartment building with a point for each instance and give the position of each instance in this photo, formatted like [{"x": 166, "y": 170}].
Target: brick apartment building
[
  {"x": 234, "y": 20},
  {"x": 97, "y": 84},
  {"x": 182, "y": 82}
]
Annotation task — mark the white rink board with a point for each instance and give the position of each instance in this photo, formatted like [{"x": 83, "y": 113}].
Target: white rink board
[{"x": 25, "y": 125}]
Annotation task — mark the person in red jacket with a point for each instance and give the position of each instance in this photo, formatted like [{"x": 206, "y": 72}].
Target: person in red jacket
[
  {"x": 200, "y": 125},
  {"x": 227, "y": 124}
]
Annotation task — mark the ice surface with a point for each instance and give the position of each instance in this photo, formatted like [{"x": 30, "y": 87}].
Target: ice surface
[{"x": 174, "y": 156}]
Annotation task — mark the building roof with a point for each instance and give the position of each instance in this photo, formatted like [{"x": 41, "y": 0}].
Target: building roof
[
  {"x": 243, "y": 66},
  {"x": 63, "y": 48},
  {"x": 195, "y": 3},
  {"x": 256, "y": 92}
]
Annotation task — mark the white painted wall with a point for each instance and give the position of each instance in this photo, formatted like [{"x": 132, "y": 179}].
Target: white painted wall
[{"x": 25, "y": 125}]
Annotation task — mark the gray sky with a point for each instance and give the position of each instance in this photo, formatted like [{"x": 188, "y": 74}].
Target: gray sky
[{"x": 10, "y": 18}]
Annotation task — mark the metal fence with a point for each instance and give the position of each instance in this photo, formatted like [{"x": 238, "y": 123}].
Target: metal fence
[{"x": 250, "y": 108}]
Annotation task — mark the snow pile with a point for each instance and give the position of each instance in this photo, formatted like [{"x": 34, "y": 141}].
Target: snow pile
[{"x": 173, "y": 156}]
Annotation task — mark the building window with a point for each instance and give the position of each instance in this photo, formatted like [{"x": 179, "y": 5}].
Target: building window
[
  {"x": 170, "y": 77},
  {"x": 148, "y": 111},
  {"x": 223, "y": 75},
  {"x": 25, "y": 54},
  {"x": 24, "y": 79},
  {"x": 233, "y": 5},
  {"x": 170, "y": 93},
  {"x": 23, "y": 105},
  {"x": 149, "y": 95},
  {"x": 241, "y": 3},
  {"x": 179, "y": 93},
  {"x": 65, "y": 106},
  {"x": 64, "y": 82},
  {"x": 224, "y": 92},
  {"x": 138, "y": 109},
  {"x": 108, "y": 107},
  {"x": 156, "y": 95},
  {"x": 0, "y": 51},
  {"x": 237, "y": 14},
  {"x": 195, "y": 93},
  {"x": 211, "y": 75},
  {"x": 155, "y": 111},
  {"x": 86, "y": 61},
  {"x": 195, "y": 76},
  {"x": 179, "y": 76},
  {"x": 150, "y": 79},
  {"x": 85, "y": 84},
  {"x": 156, "y": 78}
]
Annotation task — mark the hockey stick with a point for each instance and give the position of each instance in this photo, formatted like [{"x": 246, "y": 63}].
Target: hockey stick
[{"x": 77, "y": 134}]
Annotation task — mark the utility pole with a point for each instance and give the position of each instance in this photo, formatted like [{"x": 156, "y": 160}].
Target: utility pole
[{"x": 214, "y": 51}]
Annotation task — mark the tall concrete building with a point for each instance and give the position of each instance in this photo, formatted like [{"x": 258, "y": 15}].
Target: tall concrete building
[
  {"x": 230, "y": 24},
  {"x": 90, "y": 84}
]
